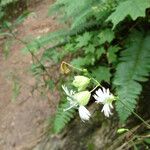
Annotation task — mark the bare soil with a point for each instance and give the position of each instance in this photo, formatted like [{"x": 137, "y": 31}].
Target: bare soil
[{"x": 22, "y": 121}]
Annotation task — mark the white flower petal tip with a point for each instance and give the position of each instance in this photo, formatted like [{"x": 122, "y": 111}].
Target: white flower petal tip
[
  {"x": 84, "y": 114},
  {"x": 106, "y": 110}
]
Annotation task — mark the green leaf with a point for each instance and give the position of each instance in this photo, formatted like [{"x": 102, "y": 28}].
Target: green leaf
[
  {"x": 83, "y": 40},
  {"x": 78, "y": 62},
  {"x": 6, "y": 24},
  {"x": 99, "y": 52},
  {"x": 106, "y": 35},
  {"x": 134, "y": 8},
  {"x": 111, "y": 54},
  {"x": 102, "y": 74},
  {"x": 89, "y": 49},
  {"x": 51, "y": 54},
  {"x": 134, "y": 67},
  {"x": 22, "y": 17},
  {"x": 70, "y": 47},
  {"x": 83, "y": 61},
  {"x": 147, "y": 140}
]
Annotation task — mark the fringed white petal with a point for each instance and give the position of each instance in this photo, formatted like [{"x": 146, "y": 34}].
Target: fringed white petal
[
  {"x": 84, "y": 113},
  {"x": 106, "y": 110}
]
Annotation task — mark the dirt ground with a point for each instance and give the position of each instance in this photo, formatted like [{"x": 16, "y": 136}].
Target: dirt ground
[{"x": 22, "y": 121}]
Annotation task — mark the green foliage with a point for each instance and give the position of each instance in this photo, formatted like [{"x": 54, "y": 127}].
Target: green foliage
[
  {"x": 89, "y": 42},
  {"x": 82, "y": 61},
  {"x": 106, "y": 35},
  {"x": 3, "y": 3},
  {"x": 147, "y": 140},
  {"x": 3, "y": 6},
  {"x": 62, "y": 117},
  {"x": 83, "y": 40},
  {"x": 21, "y": 18},
  {"x": 133, "y": 8},
  {"x": 102, "y": 74},
  {"x": 111, "y": 54},
  {"x": 51, "y": 54},
  {"x": 57, "y": 38},
  {"x": 134, "y": 67},
  {"x": 79, "y": 12},
  {"x": 71, "y": 11}
]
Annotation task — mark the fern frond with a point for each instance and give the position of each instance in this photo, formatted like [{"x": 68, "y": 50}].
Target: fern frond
[
  {"x": 82, "y": 16},
  {"x": 62, "y": 117},
  {"x": 55, "y": 37},
  {"x": 134, "y": 8},
  {"x": 134, "y": 67},
  {"x": 58, "y": 38},
  {"x": 79, "y": 12}
]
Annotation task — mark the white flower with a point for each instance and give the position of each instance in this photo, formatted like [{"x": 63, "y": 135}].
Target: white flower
[
  {"x": 84, "y": 113},
  {"x": 105, "y": 97},
  {"x": 78, "y": 100}
]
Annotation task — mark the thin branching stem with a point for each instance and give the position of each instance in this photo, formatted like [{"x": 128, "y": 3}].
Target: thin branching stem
[{"x": 32, "y": 54}]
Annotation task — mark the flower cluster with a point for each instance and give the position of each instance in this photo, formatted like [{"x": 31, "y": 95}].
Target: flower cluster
[{"x": 81, "y": 98}]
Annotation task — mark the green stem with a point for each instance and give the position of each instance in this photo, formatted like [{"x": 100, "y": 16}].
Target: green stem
[
  {"x": 94, "y": 88},
  {"x": 96, "y": 81},
  {"x": 98, "y": 84},
  {"x": 139, "y": 117}
]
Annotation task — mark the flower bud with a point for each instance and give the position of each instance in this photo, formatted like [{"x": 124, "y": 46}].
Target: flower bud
[
  {"x": 83, "y": 97},
  {"x": 81, "y": 82},
  {"x": 122, "y": 130}
]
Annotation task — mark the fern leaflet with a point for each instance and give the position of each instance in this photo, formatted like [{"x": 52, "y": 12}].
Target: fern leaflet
[
  {"x": 133, "y": 68},
  {"x": 62, "y": 117},
  {"x": 134, "y": 8}
]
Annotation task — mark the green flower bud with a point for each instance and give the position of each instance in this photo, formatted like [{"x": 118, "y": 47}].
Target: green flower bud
[
  {"x": 83, "y": 97},
  {"x": 122, "y": 130},
  {"x": 81, "y": 82}
]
